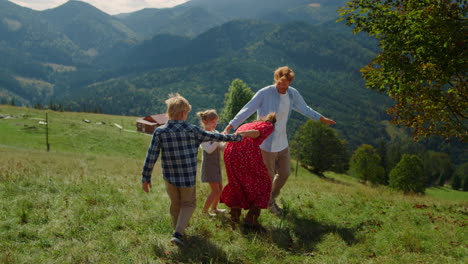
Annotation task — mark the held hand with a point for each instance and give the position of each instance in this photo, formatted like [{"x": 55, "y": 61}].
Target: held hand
[
  {"x": 327, "y": 121},
  {"x": 147, "y": 186},
  {"x": 227, "y": 129},
  {"x": 250, "y": 133}
]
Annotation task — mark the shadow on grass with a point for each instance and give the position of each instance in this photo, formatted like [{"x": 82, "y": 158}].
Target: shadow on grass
[
  {"x": 299, "y": 234},
  {"x": 196, "y": 250},
  {"x": 333, "y": 180},
  {"x": 307, "y": 233},
  {"x": 440, "y": 188}
]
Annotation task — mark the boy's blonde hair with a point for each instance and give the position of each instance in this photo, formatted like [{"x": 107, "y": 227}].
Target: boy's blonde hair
[
  {"x": 283, "y": 73},
  {"x": 176, "y": 105},
  {"x": 208, "y": 115}
]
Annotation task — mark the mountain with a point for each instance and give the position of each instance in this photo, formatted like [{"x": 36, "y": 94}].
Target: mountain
[
  {"x": 202, "y": 69},
  {"x": 25, "y": 34},
  {"x": 265, "y": 8},
  {"x": 85, "y": 60},
  {"x": 28, "y": 44},
  {"x": 136, "y": 78},
  {"x": 197, "y": 16},
  {"x": 182, "y": 21},
  {"x": 60, "y": 48},
  {"x": 91, "y": 29},
  {"x": 225, "y": 40}
]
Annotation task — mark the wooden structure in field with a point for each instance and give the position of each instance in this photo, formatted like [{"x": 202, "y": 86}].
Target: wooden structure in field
[{"x": 149, "y": 123}]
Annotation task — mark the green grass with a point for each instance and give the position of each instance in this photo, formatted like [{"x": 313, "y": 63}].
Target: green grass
[
  {"x": 447, "y": 194},
  {"x": 69, "y": 133},
  {"x": 82, "y": 203}
]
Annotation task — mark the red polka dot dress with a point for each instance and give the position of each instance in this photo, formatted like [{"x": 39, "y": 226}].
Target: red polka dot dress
[{"x": 248, "y": 181}]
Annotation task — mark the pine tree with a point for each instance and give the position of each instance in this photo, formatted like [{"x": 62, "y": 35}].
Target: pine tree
[
  {"x": 382, "y": 150},
  {"x": 438, "y": 167},
  {"x": 461, "y": 173},
  {"x": 237, "y": 96},
  {"x": 456, "y": 182}
]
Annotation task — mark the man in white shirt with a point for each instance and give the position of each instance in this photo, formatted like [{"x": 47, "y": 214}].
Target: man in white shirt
[{"x": 281, "y": 99}]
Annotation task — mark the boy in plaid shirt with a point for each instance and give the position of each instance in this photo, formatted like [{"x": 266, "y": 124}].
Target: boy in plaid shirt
[{"x": 178, "y": 143}]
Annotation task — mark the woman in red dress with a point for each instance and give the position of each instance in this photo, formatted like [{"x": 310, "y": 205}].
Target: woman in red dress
[{"x": 249, "y": 185}]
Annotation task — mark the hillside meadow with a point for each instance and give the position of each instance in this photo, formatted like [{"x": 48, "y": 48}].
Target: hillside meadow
[{"x": 82, "y": 202}]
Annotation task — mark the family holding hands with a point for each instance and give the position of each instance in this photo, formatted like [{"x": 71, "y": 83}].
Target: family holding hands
[{"x": 256, "y": 156}]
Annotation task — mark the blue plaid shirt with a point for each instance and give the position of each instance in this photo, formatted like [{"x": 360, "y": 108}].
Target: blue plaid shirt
[{"x": 178, "y": 143}]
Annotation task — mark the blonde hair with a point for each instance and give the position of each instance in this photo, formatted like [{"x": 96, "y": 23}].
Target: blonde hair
[
  {"x": 208, "y": 115},
  {"x": 271, "y": 117},
  {"x": 283, "y": 73},
  {"x": 176, "y": 105}
]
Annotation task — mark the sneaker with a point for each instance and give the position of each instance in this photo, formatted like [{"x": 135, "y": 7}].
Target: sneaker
[
  {"x": 219, "y": 211},
  {"x": 275, "y": 209},
  {"x": 207, "y": 213},
  {"x": 177, "y": 239}
]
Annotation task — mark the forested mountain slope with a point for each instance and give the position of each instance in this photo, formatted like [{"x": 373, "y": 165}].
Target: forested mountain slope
[
  {"x": 203, "y": 68},
  {"x": 82, "y": 59}
]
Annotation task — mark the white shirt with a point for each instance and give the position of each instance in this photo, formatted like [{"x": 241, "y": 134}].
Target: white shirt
[
  {"x": 210, "y": 146},
  {"x": 280, "y": 139}
]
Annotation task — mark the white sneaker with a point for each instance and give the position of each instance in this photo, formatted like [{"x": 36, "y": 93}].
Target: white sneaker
[
  {"x": 219, "y": 211},
  {"x": 275, "y": 209},
  {"x": 208, "y": 213},
  {"x": 177, "y": 239}
]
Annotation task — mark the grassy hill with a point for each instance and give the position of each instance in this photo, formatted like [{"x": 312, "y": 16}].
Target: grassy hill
[{"x": 82, "y": 203}]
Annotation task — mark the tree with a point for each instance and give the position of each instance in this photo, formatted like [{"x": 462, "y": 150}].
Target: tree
[
  {"x": 456, "y": 183},
  {"x": 237, "y": 96},
  {"x": 365, "y": 164},
  {"x": 422, "y": 63},
  {"x": 318, "y": 147},
  {"x": 437, "y": 166},
  {"x": 382, "y": 151},
  {"x": 461, "y": 173},
  {"x": 408, "y": 175},
  {"x": 400, "y": 145}
]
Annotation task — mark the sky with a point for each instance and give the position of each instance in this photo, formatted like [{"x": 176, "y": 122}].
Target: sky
[{"x": 111, "y": 7}]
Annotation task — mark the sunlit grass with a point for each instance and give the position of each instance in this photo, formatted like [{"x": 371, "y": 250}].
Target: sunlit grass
[{"x": 83, "y": 204}]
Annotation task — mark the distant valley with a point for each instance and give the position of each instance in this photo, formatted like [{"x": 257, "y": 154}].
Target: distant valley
[{"x": 83, "y": 59}]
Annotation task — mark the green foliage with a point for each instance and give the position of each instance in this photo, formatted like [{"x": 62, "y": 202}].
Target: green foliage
[
  {"x": 437, "y": 166},
  {"x": 237, "y": 96},
  {"x": 408, "y": 175},
  {"x": 382, "y": 151},
  {"x": 318, "y": 147},
  {"x": 401, "y": 143},
  {"x": 461, "y": 173},
  {"x": 422, "y": 65},
  {"x": 365, "y": 164},
  {"x": 456, "y": 182}
]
